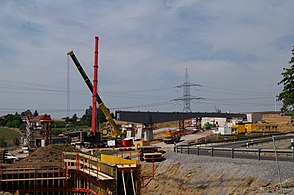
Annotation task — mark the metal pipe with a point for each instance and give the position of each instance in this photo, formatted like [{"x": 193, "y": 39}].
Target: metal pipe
[
  {"x": 134, "y": 191},
  {"x": 124, "y": 184}
]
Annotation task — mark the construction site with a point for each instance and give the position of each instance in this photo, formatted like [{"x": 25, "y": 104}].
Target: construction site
[
  {"x": 113, "y": 162},
  {"x": 50, "y": 170},
  {"x": 56, "y": 166}
]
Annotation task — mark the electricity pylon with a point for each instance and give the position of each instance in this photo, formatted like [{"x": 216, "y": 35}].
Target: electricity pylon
[{"x": 186, "y": 93}]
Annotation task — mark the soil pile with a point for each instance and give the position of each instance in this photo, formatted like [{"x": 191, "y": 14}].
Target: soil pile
[
  {"x": 284, "y": 122},
  {"x": 50, "y": 153},
  {"x": 183, "y": 174},
  {"x": 5, "y": 193}
]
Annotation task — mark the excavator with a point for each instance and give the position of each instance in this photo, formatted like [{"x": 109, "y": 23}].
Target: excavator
[{"x": 116, "y": 131}]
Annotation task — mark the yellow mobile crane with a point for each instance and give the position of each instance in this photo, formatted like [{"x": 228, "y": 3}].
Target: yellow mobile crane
[{"x": 102, "y": 106}]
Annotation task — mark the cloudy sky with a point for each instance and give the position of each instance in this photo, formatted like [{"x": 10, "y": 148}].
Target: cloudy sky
[{"x": 234, "y": 49}]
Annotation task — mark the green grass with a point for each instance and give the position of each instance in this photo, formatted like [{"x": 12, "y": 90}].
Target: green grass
[{"x": 9, "y": 135}]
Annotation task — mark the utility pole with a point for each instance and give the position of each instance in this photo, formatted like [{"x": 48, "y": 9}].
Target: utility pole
[{"x": 186, "y": 99}]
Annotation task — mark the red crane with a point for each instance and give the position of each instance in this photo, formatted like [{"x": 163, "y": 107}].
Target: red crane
[{"x": 94, "y": 92}]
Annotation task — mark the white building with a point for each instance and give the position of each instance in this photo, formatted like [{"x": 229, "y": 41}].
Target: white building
[
  {"x": 223, "y": 130},
  {"x": 220, "y": 122}
]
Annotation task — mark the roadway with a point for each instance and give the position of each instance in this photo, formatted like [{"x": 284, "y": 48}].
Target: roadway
[
  {"x": 242, "y": 155},
  {"x": 207, "y": 151}
]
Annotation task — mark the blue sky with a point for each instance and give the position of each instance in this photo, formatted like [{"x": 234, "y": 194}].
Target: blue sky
[{"x": 235, "y": 49}]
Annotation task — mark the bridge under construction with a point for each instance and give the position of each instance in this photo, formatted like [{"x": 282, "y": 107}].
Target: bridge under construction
[{"x": 150, "y": 118}]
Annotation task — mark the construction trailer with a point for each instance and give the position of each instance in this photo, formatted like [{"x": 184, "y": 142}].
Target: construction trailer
[
  {"x": 255, "y": 128},
  {"x": 78, "y": 173}
]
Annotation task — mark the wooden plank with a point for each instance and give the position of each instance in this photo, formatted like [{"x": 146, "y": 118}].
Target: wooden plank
[{"x": 34, "y": 179}]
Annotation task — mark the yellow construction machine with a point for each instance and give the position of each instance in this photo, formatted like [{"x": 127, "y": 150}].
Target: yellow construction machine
[
  {"x": 170, "y": 136},
  {"x": 116, "y": 131}
]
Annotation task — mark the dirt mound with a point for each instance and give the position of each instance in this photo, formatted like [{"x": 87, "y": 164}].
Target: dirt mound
[
  {"x": 5, "y": 193},
  {"x": 284, "y": 122},
  {"x": 50, "y": 153}
]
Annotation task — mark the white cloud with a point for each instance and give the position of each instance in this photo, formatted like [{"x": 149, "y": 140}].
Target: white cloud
[{"x": 143, "y": 45}]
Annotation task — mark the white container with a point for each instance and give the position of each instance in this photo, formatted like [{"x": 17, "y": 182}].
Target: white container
[
  {"x": 110, "y": 143},
  {"x": 26, "y": 151},
  {"x": 25, "y": 142},
  {"x": 25, "y": 148},
  {"x": 43, "y": 143}
]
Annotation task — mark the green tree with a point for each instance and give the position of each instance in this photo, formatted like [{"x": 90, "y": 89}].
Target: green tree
[
  {"x": 16, "y": 141},
  {"x": 3, "y": 142},
  {"x": 87, "y": 117},
  {"x": 11, "y": 120},
  {"x": 56, "y": 132},
  {"x": 74, "y": 119},
  {"x": 67, "y": 119},
  {"x": 287, "y": 95},
  {"x": 26, "y": 113},
  {"x": 36, "y": 113},
  {"x": 207, "y": 125}
]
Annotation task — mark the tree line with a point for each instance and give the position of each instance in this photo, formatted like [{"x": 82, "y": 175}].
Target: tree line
[{"x": 16, "y": 120}]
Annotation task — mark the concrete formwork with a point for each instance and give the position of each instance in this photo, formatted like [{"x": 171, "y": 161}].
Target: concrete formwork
[{"x": 76, "y": 174}]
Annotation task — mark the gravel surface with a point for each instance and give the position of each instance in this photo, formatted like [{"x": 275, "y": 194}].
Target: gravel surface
[
  {"x": 265, "y": 169},
  {"x": 183, "y": 174}
]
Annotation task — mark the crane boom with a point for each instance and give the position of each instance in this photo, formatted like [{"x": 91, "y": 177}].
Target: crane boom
[{"x": 102, "y": 106}]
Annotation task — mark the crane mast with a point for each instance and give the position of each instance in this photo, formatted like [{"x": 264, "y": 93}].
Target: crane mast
[
  {"x": 94, "y": 93},
  {"x": 101, "y": 105}
]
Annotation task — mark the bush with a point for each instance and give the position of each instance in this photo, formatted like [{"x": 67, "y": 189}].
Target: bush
[
  {"x": 207, "y": 125},
  {"x": 56, "y": 132}
]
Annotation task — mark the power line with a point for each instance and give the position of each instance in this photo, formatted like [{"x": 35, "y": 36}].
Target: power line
[
  {"x": 139, "y": 91},
  {"x": 235, "y": 91},
  {"x": 144, "y": 105}
]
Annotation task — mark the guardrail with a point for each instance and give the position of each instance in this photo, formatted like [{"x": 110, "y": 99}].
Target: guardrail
[
  {"x": 247, "y": 142},
  {"x": 233, "y": 151}
]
